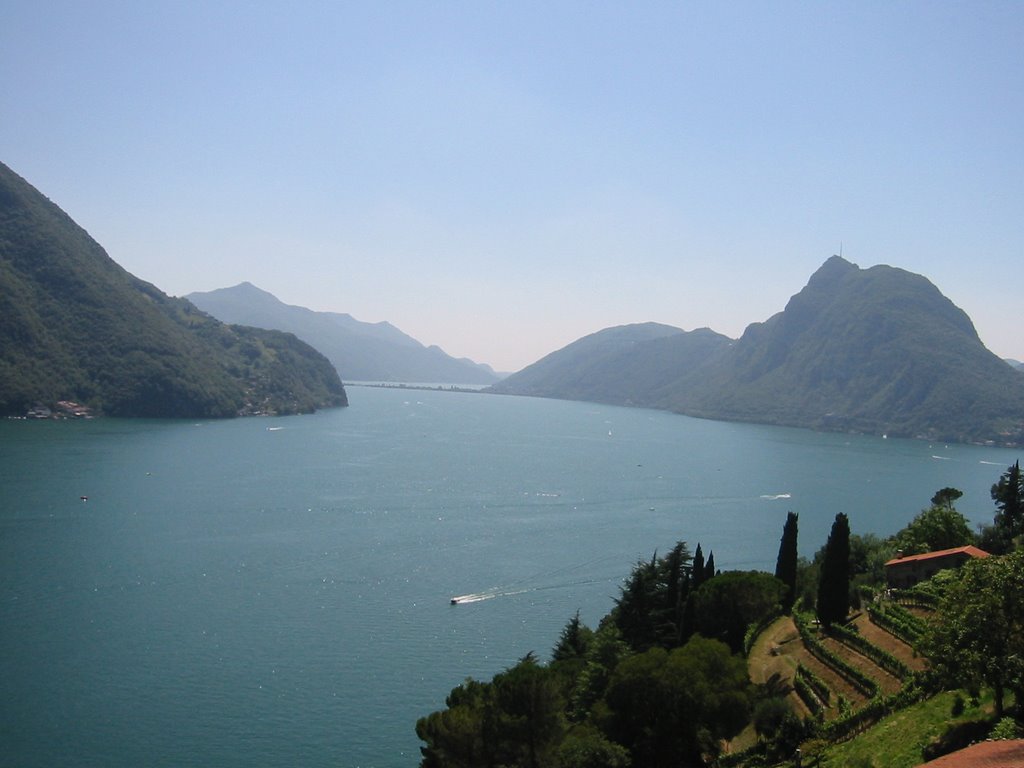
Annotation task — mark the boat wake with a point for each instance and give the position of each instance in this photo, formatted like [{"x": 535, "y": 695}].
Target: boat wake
[
  {"x": 479, "y": 597},
  {"x": 530, "y": 584},
  {"x": 777, "y": 496}
]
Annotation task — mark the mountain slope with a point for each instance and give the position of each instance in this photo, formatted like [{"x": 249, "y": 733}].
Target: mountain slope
[
  {"x": 76, "y": 326},
  {"x": 629, "y": 364},
  {"x": 879, "y": 350},
  {"x": 360, "y": 351}
]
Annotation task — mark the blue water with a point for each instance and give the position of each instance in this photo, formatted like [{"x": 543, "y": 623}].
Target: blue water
[{"x": 275, "y": 592}]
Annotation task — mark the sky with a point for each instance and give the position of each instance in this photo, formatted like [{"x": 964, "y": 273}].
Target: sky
[{"x": 502, "y": 178}]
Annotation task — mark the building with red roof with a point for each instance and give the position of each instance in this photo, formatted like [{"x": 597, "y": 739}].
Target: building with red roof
[{"x": 906, "y": 571}]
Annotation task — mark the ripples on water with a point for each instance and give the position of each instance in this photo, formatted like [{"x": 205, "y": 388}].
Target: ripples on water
[{"x": 278, "y": 592}]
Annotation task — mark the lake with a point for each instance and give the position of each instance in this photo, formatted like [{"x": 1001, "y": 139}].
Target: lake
[{"x": 276, "y": 592}]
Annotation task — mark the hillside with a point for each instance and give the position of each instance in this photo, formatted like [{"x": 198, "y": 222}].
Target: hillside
[
  {"x": 629, "y": 364},
  {"x": 359, "y": 351},
  {"x": 75, "y": 326},
  {"x": 876, "y": 350}
]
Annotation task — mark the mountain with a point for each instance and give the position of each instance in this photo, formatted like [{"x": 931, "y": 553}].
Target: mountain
[
  {"x": 359, "y": 351},
  {"x": 75, "y": 326},
  {"x": 876, "y": 350},
  {"x": 625, "y": 365}
]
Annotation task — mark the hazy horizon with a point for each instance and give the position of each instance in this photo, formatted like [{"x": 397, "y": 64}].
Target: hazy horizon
[{"x": 500, "y": 180}]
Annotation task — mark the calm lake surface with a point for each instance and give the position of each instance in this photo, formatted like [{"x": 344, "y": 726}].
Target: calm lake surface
[{"x": 275, "y": 592}]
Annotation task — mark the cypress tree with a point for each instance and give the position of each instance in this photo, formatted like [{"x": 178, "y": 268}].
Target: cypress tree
[
  {"x": 709, "y": 569},
  {"x": 697, "y": 571},
  {"x": 834, "y": 582},
  {"x": 785, "y": 565}
]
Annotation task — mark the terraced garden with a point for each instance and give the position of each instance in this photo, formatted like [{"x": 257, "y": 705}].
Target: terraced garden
[{"x": 848, "y": 678}]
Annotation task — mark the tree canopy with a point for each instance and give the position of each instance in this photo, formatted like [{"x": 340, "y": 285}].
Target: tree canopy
[
  {"x": 940, "y": 526},
  {"x": 976, "y": 636},
  {"x": 672, "y": 707},
  {"x": 732, "y": 601}
]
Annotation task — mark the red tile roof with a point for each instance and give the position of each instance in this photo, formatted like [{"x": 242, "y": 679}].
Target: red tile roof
[
  {"x": 986, "y": 754},
  {"x": 969, "y": 550}
]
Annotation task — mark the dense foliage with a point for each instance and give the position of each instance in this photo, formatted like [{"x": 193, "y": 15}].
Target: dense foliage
[
  {"x": 75, "y": 326},
  {"x": 1007, "y": 529},
  {"x": 939, "y": 527},
  {"x": 976, "y": 636}
]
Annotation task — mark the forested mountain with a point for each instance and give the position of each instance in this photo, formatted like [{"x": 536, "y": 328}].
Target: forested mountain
[
  {"x": 876, "y": 350},
  {"x": 628, "y": 364},
  {"x": 360, "y": 351},
  {"x": 75, "y": 326}
]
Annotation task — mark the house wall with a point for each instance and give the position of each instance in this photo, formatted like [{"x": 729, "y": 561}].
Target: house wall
[{"x": 903, "y": 575}]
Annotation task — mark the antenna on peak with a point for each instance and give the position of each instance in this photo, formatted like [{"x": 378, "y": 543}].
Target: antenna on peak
[{"x": 840, "y": 249}]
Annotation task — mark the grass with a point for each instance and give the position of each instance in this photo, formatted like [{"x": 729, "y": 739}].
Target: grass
[{"x": 896, "y": 741}]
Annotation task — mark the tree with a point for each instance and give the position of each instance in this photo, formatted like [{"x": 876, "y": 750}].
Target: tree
[
  {"x": 1008, "y": 494},
  {"x": 709, "y": 568},
  {"x": 515, "y": 720},
  {"x": 834, "y": 581},
  {"x": 671, "y": 708},
  {"x": 604, "y": 652},
  {"x": 635, "y": 605},
  {"x": 732, "y": 601},
  {"x": 976, "y": 635},
  {"x": 940, "y": 526},
  {"x": 460, "y": 736},
  {"x": 650, "y": 609},
  {"x": 586, "y": 747},
  {"x": 530, "y": 721},
  {"x": 697, "y": 572},
  {"x": 946, "y": 497},
  {"x": 572, "y": 643},
  {"x": 786, "y": 563}
]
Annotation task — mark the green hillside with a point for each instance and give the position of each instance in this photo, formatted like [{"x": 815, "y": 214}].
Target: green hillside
[
  {"x": 879, "y": 350},
  {"x": 75, "y": 326},
  {"x": 622, "y": 365}
]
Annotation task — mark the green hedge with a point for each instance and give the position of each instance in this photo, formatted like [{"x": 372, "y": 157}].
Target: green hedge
[
  {"x": 894, "y": 620},
  {"x": 819, "y": 686}
]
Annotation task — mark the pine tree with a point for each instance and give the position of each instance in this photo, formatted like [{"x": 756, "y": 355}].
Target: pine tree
[
  {"x": 834, "y": 582},
  {"x": 786, "y": 564},
  {"x": 1008, "y": 494},
  {"x": 573, "y": 642}
]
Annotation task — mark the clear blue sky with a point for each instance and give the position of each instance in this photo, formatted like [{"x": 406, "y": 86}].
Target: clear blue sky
[{"x": 502, "y": 178}]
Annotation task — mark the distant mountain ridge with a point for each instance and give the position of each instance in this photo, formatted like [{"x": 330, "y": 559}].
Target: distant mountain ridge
[
  {"x": 76, "y": 327},
  {"x": 359, "y": 351},
  {"x": 877, "y": 350}
]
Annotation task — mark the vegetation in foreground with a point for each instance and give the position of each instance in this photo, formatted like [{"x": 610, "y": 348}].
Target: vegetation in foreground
[{"x": 667, "y": 678}]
